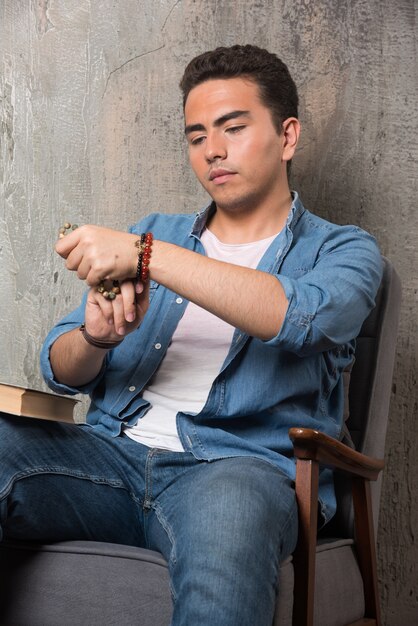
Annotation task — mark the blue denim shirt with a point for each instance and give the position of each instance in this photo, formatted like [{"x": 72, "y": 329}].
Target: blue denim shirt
[{"x": 330, "y": 275}]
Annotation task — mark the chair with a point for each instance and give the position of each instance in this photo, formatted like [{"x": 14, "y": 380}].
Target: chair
[{"x": 331, "y": 579}]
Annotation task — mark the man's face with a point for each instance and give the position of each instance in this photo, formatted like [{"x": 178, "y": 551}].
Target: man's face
[{"x": 234, "y": 148}]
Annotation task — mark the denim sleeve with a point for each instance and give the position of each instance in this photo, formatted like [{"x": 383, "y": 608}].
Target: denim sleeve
[{"x": 328, "y": 304}]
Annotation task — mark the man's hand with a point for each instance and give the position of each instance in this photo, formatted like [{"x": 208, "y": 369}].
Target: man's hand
[
  {"x": 108, "y": 320},
  {"x": 98, "y": 253},
  {"x": 73, "y": 360}
]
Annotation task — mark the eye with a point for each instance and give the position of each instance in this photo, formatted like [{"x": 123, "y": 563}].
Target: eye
[
  {"x": 195, "y": 141},
  {"x": 235, "y": 129}
]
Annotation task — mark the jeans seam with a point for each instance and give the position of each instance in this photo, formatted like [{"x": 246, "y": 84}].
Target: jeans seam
[
  {"x": 148, "y": 480},
  {"x": 172, "y": 561},
  {"x": 39, "y": 471}
]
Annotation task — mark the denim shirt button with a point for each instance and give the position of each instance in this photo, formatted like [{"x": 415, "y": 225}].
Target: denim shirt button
[
  {"x": 157, "y": 346},
  {"x": 179, "y": 300},
  {"x": 132, "y": 388}
]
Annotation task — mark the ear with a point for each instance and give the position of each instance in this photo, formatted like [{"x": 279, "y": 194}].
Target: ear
[{"x": 291, "y": 132}]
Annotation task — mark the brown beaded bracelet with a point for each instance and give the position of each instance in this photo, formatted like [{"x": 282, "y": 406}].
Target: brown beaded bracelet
[
  {"x": 65, "y": 228},
  {"x": 144, "y": 245},
  {"x": 109, "y": 294},
  {"x": 98, "y": 343}
]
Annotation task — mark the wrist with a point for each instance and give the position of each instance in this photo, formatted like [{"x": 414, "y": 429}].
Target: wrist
[
  {"x": 98, "y": 343},
  {"x": 164, "y": 261}
]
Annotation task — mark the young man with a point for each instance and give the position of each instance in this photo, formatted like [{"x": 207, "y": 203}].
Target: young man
[{"x": 196, "y": 376}]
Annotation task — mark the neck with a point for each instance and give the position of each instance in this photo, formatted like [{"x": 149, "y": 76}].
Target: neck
[{"x": 250, "y": 225}]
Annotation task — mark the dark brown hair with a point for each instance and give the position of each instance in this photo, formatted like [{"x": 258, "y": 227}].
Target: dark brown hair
[{"x": 277, "y": 90}]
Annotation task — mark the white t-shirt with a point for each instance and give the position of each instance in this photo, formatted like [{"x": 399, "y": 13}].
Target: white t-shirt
[{"x": 194, "y": 358}]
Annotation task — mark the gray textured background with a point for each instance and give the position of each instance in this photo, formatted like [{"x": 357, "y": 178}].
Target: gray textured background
[{"x": 91, "y": 131}]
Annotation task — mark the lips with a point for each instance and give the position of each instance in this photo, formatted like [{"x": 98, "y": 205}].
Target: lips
[{"x": 220, "y": 175}]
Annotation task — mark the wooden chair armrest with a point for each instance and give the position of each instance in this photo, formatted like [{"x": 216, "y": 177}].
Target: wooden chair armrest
[{"x": 309, "y": 444}]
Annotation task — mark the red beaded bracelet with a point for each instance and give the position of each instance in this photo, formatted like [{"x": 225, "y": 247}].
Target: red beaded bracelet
[{"x": 144, "y": 256}]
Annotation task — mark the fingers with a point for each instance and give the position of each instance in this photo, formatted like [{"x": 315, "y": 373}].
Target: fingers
[
  {"x": 130, "y": 306},
  {"x": 74, "y": 262},
  {"x": 142, "y": 298},
  {"x": 72, "y": 249},
  {"x": 128, "y": 294},
  {"x": 99, "y": 316},
  {"x": 110, "y": 320},
  {"x": 106, "y": 318},
  {"x": 95, "y": 253},
  {"x": 123, "y": 311},
  {"x": 65, "y": 245},
  {"x": 79, "y": 248},
  {"x": 119, "y": 320}
]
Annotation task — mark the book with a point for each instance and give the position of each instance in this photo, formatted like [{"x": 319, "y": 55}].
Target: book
[{"x": 34, "y": 403}]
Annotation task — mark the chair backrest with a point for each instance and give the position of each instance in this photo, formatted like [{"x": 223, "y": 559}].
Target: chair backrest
[
  {"x": 371, "y": 377},
  {"x": 370, "y": 387}
]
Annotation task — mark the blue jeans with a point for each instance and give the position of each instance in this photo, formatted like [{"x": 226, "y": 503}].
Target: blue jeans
[{"x": 223, "y": 526}]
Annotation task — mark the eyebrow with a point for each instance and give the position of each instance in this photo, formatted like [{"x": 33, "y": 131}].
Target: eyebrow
[{"x": 218, "y": 122}]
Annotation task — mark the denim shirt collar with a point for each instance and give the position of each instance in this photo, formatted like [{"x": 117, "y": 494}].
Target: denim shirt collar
[{"x": 202, "y": 218}]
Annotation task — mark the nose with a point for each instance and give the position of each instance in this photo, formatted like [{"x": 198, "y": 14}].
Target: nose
[{"x": 215, "y": 147}]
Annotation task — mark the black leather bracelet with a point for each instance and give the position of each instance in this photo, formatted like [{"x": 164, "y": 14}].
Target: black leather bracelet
[{"x": 98, "y": 343}]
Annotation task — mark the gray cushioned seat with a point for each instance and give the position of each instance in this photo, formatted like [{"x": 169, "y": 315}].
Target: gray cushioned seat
[{"x": 80, "y": 583}]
